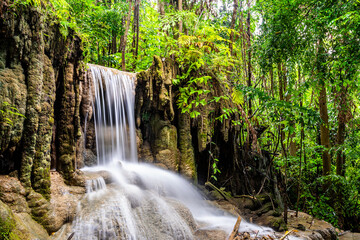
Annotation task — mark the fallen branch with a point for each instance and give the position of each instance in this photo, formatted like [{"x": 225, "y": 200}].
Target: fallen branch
[
  {"x": 236, "y": 229},
  {"x": 71, "y": 236},
  {"x": 245, "y": 196},
  {"x": 222, "y": 193},
  {"x": 287, "y": 233}
]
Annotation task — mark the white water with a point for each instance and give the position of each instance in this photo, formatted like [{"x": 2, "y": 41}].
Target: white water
[
  {"x": 114, "y": 115},
  {"x": 143, "y": 201}
]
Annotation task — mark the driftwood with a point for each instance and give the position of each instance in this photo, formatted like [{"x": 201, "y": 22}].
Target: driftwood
[
  {"x": 236, "y": 229},
  {"x": 71, "y": 236},
  {"x": 287, "y": 233}
]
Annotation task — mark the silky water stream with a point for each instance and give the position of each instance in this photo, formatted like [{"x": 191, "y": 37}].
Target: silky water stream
[{"x": 143, "y": 201}]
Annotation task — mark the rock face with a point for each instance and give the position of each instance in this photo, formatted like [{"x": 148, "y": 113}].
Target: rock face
[
  {"x": 40, "y": 75},
  {"x": 190, "y": 146},
  {"x": 32, "y": 206},
  {"x": 47, "y": 120},
  {"x": 19, "y": 225},
  {"x": 42, "y": 81},
  {"x": 170, "y": 144}
]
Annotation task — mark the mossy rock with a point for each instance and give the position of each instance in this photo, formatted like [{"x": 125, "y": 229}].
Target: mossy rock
[
  {"x": 278, "y": 224},
  {"x": 7, "y": 223},
  {"x": 264, "y": 209},
  {"x": 263, "y": 198}
]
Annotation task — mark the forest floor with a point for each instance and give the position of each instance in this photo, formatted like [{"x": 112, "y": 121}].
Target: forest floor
[{"x": 304, "y": 226}]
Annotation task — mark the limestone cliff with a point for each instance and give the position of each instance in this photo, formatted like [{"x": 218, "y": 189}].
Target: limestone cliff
[
  {"x": 190, "y": 145},
  {"x": 40, "y": 74},
  {"x": 42, "y": 77}
]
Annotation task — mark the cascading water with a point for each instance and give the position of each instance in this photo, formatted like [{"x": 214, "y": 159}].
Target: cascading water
[
  {"x": 143, "y": 201},
  {"x": 114, "y": 115}
]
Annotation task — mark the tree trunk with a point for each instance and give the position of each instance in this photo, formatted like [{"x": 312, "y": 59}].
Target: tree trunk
[
  {"x": 113, "y": 43},
  {"x": 340, "y": 136},
  {"x": 324, "y": 130},
  {"x": 180, "y": 8},
  {"x": 232, "y": 25},
  {"x": 272, "y": 80},
  {"x": 249, "y": 52},
  {"x": 302, "y": 135},
  {"x": 135, "y": 43},
  {"x": 123, "y": 47},
  {"x": 161, "y": 7}
]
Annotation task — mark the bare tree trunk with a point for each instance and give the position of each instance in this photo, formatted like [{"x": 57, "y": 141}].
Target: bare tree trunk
[
  {"x": 114, "y": 48},
  {"x": 161, "y": 7},
  {"x": 180, "y": 8},
  {"x": 135, "y": 43},
  {"x": 302, "y": 135},
  {"x": 249, "y": 52},
  {"x": 123, "y": 47},
  {"x": 272, "y": 80},
  {"x": 324, "y": 130},
  {"x": 232, "y": 25},
  {"x": 324, "y": 126},
  {"x": 340, "y": 136}
]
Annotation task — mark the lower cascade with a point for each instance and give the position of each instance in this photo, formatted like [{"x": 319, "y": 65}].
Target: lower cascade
[{"x": 139, "y": 201}]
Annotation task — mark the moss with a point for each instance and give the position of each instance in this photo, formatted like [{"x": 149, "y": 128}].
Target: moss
[
  {"x": 6, "y": 226},
  {"x": 158, "y": 67},
  {"x": 187, "y": 165},
  {"x": 41, "y": 165},
  {"x": 7, "y": 223},
  {"x": 264, "y": 209},
  {"x": 278, "y": 224}
]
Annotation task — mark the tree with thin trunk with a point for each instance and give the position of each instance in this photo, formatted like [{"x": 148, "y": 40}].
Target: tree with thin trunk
[
  {"x": 249, "y": 52},
  {"x": 124, "y": 38},
  {"x": 232, "y": 25}
]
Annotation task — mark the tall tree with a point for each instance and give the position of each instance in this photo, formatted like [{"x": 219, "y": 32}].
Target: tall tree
[{"x": 124, "y": 37}]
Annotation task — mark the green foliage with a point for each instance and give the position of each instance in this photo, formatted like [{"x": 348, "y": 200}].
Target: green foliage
[
  {"x": 8, "y": 113},
  {"x": 6, "y": 227},
  {"x": 214, "y": 166},
  {"x": 295, "y": 47}
]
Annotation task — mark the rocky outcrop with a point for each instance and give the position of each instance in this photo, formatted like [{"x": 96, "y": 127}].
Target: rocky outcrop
[
  {"x": 163, "y": 141},
  {"x": 40, "y": 74},
  {"x": 191, "y": 146},
  {"x": 15, "y": 226},
  {"x": 33, "y": 208},
  {"x": 41, "y": 79}
]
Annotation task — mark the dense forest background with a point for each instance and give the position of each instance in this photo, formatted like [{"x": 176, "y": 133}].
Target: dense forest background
[{"x": 290, "y": 68}]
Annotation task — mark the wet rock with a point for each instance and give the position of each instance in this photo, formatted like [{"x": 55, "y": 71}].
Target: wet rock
[
  {"x": 14, "y": 226},
  {"x": 349, "y": 236},
  {"x": 145, "y": 153},
  {"x": 301, "y": 227},
  {"x": 89, "y": 158},
  {"x": 167, "y": 158},
  {"x": 104, "y": 174},
  {"x": 64, "y": 200},
  {"x": 13, "y": 194},
  {"x": 77, "y": 179},
  {"x": 206, "y": 234}
]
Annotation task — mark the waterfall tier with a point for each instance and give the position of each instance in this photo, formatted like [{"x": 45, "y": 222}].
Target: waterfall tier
[
  {"x": 114, "y": 104},
  {"x": 140, "y": 201}
]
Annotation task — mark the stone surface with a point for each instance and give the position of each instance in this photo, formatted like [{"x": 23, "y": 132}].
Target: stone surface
[
  {"x": 15, "y": 226},
  {"x": 349, "y": 236},
  {"x": 64, "y": 200},
  {"x": 40, "y": 71},
  {"x": 51, "y": 214},
  {"x": 13, "y": 194}
]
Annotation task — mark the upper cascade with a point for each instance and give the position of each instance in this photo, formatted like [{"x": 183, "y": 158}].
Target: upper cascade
[{"x": 114, "y": 104}]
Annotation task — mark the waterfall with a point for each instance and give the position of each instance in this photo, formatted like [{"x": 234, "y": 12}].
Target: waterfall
[
  {"x": 114, "y": 104},
  {"x": 142, "y": 201}
]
